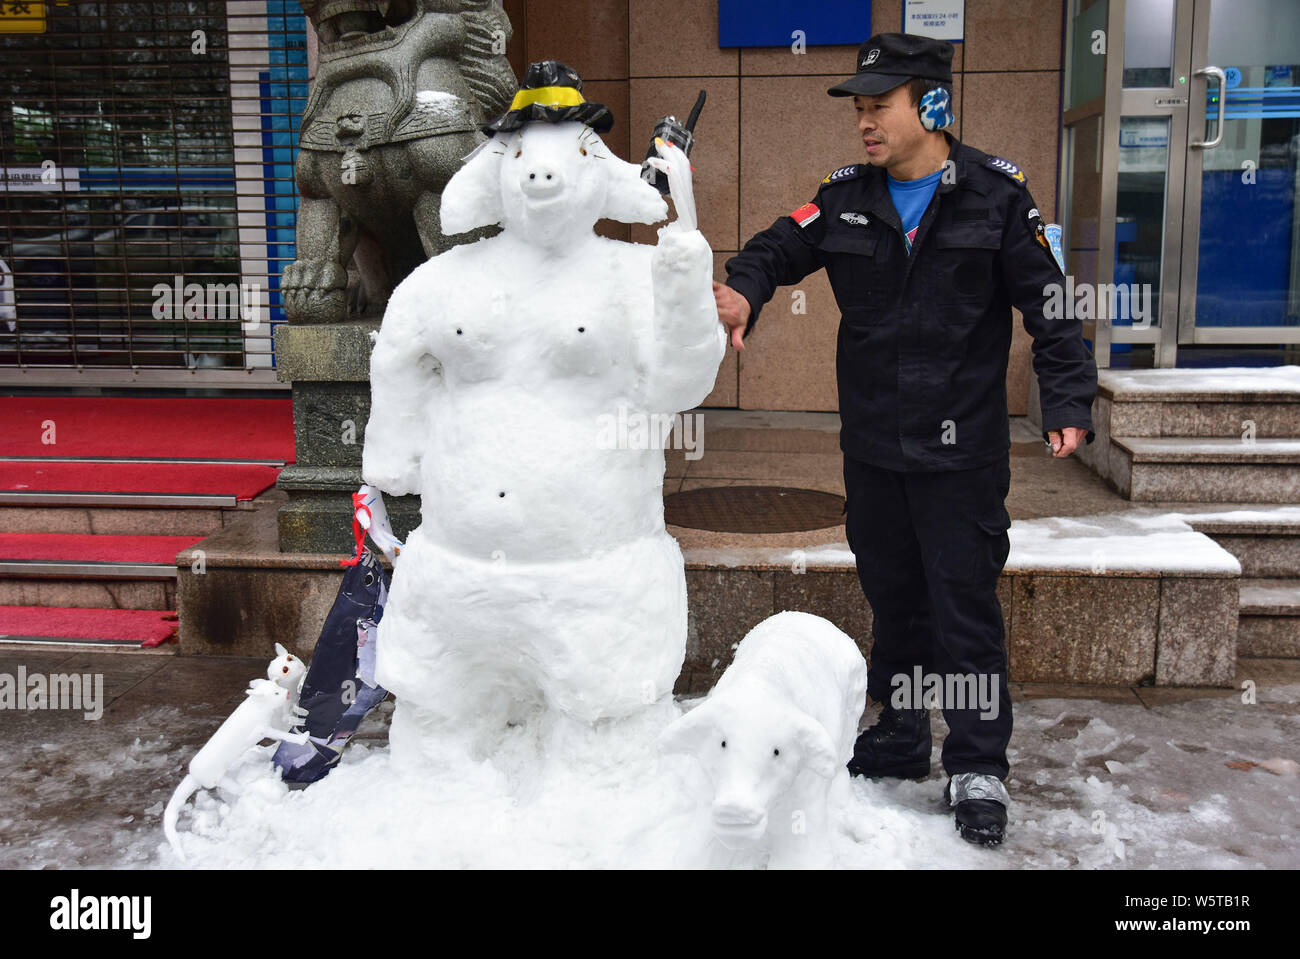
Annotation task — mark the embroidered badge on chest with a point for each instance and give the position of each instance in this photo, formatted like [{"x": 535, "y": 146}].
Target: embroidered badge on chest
[{"x": 854, "y": 219}]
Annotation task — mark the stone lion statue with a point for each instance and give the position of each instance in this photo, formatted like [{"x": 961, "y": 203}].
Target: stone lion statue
[{"x": 401, "y": 91}]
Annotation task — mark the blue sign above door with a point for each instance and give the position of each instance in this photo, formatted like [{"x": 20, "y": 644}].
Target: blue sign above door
[{"x": 772, "y": 23}]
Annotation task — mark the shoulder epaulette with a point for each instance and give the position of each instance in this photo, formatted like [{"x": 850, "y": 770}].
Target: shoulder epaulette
[
  {"x": 1007, "y": 168},
  {"x": 843, "y": 173}
]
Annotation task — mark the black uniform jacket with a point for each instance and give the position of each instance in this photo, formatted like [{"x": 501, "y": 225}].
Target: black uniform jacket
[{"x": 923, "y": 340}]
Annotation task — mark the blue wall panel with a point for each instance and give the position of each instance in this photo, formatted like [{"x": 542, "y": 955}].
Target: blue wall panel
[{"x": 770, "y": 23}]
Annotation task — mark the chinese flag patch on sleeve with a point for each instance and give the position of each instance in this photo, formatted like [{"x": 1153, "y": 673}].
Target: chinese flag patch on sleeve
[{"x": 806, "y": 214}]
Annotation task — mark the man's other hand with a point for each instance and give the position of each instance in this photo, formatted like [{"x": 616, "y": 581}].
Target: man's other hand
[
  {"x": 733, "y": 311},
  {"x": 1066, "y": 441}
]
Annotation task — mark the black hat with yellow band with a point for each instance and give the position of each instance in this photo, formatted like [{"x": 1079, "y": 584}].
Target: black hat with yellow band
[{"x": 552, "y": 93}]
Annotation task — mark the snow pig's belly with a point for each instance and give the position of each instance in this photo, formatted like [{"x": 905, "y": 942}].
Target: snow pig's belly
[{"x": 511, "y": 476}]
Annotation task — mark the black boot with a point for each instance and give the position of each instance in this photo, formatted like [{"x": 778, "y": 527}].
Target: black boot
[
  {"x": 898, "y": 745},
  {"x": 980, "y": 807}
]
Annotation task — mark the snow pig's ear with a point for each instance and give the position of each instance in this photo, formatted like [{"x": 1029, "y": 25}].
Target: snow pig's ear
[
  {"x": 472, "y": 197},
  {"x": 689, "y": 733},
  {"x": 628, "y": 198},
  {"x": 280, "y": 650},
  {"x": 814, "y": 742}
]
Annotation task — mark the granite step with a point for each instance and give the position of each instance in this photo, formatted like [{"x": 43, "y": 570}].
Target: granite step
[
  {"x": 121, "y": 521},
  {"x": 1203, "y": 403},
  {"x": 89, "y": 571},
  {"x": 101, "y": 585},
  {"x": 1180, "y": 435},
  {"x": 1249, "y": 384},
  {"x": 1270, "y": 618},
  {"x": 1206, "y": 469},
  {"x": 1265, "y": 540},
  {"x": 158, "y": 591}
]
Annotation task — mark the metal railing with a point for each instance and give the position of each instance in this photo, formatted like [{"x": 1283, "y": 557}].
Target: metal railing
[{"x": 146, "y": 191}]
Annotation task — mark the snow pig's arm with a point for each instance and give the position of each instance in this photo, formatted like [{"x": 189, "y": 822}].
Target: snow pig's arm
[
  {"x": 689, "y": 339},
  {"x": 404, "y": 380}
]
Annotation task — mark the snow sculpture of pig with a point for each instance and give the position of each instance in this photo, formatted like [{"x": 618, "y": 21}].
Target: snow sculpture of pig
[
  {"x": 541, "y": 574},
  {"x": 774, "y": 736}
]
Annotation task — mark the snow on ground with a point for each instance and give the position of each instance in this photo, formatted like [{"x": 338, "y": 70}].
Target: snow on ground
[{"x": 1094, "y": 784}]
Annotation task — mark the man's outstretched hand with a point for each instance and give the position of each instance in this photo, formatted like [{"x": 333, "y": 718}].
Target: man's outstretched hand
[
  {"x": 733, "y": 311},
  {"x": 1066, "y": 441}
]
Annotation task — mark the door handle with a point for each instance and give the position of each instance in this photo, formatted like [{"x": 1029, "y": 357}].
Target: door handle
[{"x": 1218, "y": 74}]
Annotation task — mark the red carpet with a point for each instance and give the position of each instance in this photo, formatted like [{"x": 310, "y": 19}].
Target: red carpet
[
  {"x": 242, "y": 482},
  {"x": 181, "y": 427},
  {"x": 88, "y": 548},
  {"x": 148, "y": 627}
]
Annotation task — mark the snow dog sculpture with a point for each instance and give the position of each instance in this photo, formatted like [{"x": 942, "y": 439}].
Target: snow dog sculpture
[
  {"x": 270, "y": 710},
  {"x": 774, "y": 736},
  {"x": 541, "y": 575}
]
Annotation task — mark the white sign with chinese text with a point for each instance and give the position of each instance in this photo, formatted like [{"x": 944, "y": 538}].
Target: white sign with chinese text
[{"x": 941, "y": 19}]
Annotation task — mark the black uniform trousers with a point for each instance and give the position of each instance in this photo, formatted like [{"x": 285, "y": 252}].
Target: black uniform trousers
[{"x": 929, "y": 550}]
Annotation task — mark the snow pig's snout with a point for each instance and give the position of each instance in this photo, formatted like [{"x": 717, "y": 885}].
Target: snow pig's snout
[
  {"x": 738, "y": 824},
  {"x": 542, "y": 179},
  {"x": 546, "y": 163}
]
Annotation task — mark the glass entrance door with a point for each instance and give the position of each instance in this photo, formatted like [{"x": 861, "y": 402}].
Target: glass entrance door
[
  {"x": 1179, "y": 166},
  {"x": 1241, "y": 267}
]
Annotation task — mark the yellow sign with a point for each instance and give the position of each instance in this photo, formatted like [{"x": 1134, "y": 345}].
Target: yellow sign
[{"x": 21, "y": 17}]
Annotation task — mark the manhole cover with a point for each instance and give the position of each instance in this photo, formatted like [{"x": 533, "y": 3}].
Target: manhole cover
[{"x": 753, "y": 509}]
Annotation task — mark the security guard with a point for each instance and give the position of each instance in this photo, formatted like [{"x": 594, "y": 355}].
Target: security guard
[{"x": 928, "y": 245}]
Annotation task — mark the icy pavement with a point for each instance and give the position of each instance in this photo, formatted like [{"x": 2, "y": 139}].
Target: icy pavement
[{"x": 1130, "y": 779}]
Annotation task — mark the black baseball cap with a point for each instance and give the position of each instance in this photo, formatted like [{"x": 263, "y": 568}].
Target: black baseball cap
[{"x": 889, "y": 60}]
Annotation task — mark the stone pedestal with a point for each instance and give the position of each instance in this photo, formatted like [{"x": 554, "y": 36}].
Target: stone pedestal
[{"x": 329, "y": 366}]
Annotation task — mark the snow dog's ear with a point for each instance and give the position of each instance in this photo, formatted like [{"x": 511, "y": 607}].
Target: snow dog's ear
[
  {"x": 814, "y": 742},
  {"x": 629, "y": 198},
  {"x": 472, "y": 197},
  {"x": 687, "y": 734},
  {"x": 280, "y": 650}
]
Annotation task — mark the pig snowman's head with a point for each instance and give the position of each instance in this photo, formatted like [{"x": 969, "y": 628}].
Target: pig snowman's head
[
  {"x": 545, "y": 174},
  {"x": 752, "y": 750}
]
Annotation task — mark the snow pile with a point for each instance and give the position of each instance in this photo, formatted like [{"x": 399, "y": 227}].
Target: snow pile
[
  {"x": 1117, "y": 542},
  {"x": 1272, "y": 379},
  {"x": 439, "y": 104},
  {"x": 1094, "y": 784},
  {"x": 91, "y": 795},
  {"x": 1130, "y": 541},
  {"x": 1273, "y": 514}
]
